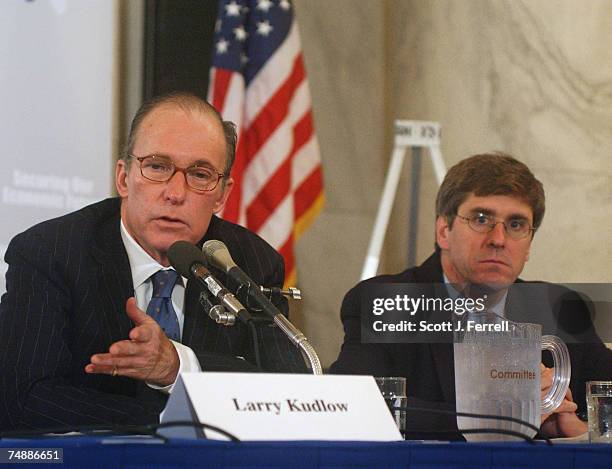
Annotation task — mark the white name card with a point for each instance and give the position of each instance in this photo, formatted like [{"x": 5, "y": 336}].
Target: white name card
[{"x": 259, "y": 406}]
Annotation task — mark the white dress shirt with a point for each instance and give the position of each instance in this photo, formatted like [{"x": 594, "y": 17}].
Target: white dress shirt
[{"x": 143, "y": 266}]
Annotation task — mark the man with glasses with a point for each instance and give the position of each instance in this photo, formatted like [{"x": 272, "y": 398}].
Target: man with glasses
[
  {"x": 95, "y": 325},
  {"x": 487, "y": 210}
]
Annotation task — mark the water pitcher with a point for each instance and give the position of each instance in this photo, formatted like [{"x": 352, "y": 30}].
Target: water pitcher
[{"x": 497, "y": 372}]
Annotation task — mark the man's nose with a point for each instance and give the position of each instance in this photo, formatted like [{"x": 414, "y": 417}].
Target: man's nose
[
  {"x": 497, "y": 236},
  {"x": 176, "y": 187}
]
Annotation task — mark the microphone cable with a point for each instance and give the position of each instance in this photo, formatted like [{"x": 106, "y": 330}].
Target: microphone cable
[
  {"x": 115, "y": 430},
  {"x": 481, "y": 416}
]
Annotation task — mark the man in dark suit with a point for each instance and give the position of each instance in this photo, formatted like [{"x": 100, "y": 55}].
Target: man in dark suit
[
  {"x": 79, "y": 342},
  {"x": 488, "y": 208}
]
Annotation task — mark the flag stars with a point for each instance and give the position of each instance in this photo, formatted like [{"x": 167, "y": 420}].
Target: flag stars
[
  {"x": 264, "y": 28},
  {"x": 240, "y": 33},
  {"x": 222, "y": 46},
  {"x": 232, "y": 9},
  {"x": 264, "y": 5},
  {"x": 285, "y": 5}
]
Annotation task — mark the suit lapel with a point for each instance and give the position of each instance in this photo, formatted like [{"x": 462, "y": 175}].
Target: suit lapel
[
  {"x": 196, "y": 328},
  {"x": 115, "y": 284},
  {"x": 443, "y": 357},
  {"x": 194, "y": 317},
  {"x": 442, "y": 353},
  {"x": 201, "y": 333}
]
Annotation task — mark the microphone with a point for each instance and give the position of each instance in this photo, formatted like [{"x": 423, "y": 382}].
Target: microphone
[
  {"x": 215, "y": 311},
  {"x": 189, "y": 262},
  {"x": 217, "y": 255}
]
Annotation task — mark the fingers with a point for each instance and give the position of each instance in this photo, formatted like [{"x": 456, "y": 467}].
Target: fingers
[
  {"x": 118, "y": 369},
  {"x": 140, "y": 318},
  {"x": 143, "y": 333},
  {"x": 135, "y": 365},
  {"x": 570, "y": 425},
  {"x": 563, "y": 423},
  {"x": 546, "y": 380},
  {"x": 90, "y": 368},
  {"x": 137, "y": 315},
  {"x": 546, "y": 377},
  {"x": 566, "y": 406},
  {"x": 106, "y": 362},
  {"x": 125, "y": 347},
  {"x": 148, "y": 356},
  {"x": 155, "y": 361}
]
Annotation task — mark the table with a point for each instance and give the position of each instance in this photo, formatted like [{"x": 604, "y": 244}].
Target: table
[{"x": 107, "y": 452}]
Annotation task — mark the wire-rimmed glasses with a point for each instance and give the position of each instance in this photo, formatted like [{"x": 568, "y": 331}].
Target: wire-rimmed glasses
[{"x": 516, "y": 228}]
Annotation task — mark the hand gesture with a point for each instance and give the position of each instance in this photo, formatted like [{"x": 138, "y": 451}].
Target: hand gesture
[{"x": 148, "y": 355}]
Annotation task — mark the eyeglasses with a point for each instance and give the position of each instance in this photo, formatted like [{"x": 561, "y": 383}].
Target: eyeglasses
[
  {"x": 160, "y": 169},
  {"x": 516, "y": 228}
]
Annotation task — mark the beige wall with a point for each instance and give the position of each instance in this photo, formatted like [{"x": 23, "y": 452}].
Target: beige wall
[{"x": 532, "y": 78}]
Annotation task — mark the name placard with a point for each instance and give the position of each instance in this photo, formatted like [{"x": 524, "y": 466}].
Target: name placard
[{"x": 260, "y": 406}]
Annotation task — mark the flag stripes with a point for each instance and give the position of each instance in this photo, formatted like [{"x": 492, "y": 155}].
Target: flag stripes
[{"x": 258, "y": 81}]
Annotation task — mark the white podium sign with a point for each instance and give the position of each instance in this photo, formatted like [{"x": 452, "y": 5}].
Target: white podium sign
[{"x": 259, "y": 406}]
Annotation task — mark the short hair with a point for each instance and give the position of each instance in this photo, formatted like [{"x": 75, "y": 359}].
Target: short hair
[
  {"x": 489, "y": 174},
  {"x": 189, "y": 103}
]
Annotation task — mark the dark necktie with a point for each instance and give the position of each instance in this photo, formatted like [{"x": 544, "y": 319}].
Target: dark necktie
[{"x": 160, "y": 307}]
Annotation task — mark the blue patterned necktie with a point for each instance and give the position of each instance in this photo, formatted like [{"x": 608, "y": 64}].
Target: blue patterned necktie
[{"x": 160, "y": 307}]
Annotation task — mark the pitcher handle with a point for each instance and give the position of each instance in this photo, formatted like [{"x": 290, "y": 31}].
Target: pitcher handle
[{"x": 562, "y": 373}]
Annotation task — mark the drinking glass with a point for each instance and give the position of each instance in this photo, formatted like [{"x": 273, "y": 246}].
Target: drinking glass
[
  {"x": 599, "y": 405},
  {"x": 393, "y": 390}
]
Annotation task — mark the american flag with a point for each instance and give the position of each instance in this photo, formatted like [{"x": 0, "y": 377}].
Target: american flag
[{"x": 258, "y": 82}]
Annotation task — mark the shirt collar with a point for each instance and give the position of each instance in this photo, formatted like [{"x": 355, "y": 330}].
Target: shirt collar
[{"x": 142, "y": 264}]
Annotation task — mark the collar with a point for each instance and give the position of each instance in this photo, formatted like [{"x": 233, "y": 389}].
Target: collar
[{"x": 142, "y": 264}]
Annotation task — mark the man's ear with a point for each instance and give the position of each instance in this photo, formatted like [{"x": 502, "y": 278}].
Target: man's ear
[
  {"x": 442, "y": 230},
  {"x": 121, "y": 173},
  {"x": 225, "y": 192}
]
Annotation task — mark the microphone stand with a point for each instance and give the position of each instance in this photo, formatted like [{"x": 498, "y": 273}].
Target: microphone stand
[
  {"x": 301, "y": 342},
  {"x": 296, "y": 336},
  {"x": 292, "y": 332},
  {"x": 252, "y": 295},
  {"x": 218, "y": 314}
]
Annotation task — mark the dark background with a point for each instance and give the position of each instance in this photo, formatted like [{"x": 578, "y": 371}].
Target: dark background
[{"x": 178, "y": 46}]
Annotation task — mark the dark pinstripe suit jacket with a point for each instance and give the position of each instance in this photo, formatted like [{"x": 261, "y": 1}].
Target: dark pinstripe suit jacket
[{"x": 67, "y": 284}]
